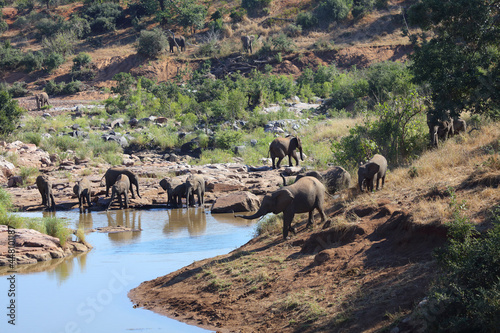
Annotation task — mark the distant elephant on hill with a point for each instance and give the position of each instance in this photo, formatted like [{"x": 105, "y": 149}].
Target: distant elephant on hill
[
  {"x": 42, "y": 100},
  {"x": 120, "y": 187},
  {"x": 281, "y": 147},
  {"x": 303, "y": 196},
  {"x": 439, "y": 128},
  {"x": 176, "y": 190},
  {"x": 112, "y": 174},
  {"x": 177, "y": 42},
  {"x": 82, "y": 190},
  {"x": 44, "y": 186},
  {"x": 195, "y": 184},
  {"x": 247, "y": 42},
  {"x": 459, "y": 125},
  {"x": 375, "y": 167}
]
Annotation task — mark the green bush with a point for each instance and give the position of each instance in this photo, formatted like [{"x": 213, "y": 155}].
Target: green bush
[
  {"x": 10, "y": 112},
  {"x": 281, "y": 43},
  {"x": 362, "y": 7},
  {"x": 33, "y": 61},
  {"x": 306, "y": 20},
  {"x": 103, "y": 17},
  {"x": 252, "y": 5},
  {"x": 79, "y": 26},
  {"x": 237, "y": 14},
  {"x": 227, "y": 139},
  {"x": 10, "y": 58},
  {"x": 62, "y": 43},
  {"x": 389, "y": 78},
  {"x": 293, "y": 30},
  {"x": 18, "y": 89},
  {"x": 25, "y": 5},
  {"x": 333, "y": 10},
  {"x": 3, "y": 26},
  {"x": 53, "y": 61},
  {"x": 151, "y": 43},
  {"x": 49, "y": 26},
  {"x": 466, "y": 295}
]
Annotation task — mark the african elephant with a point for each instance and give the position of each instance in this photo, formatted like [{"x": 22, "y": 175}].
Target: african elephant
[
  {"x": 314, "y": 174},
  {"x": 375, "y": 167},
  {"x": 459, "y": 125},
  {"x": 281, "y": 147},
  {"x": 247, "y": 42},
  {"x": 45, "y": 187},
  {"x": 82, "y": 190},
  {"x": 195, "y": 184},
  {"x": 439, "y": 128},
  {"x": 176, "y": 190},
  {"x": 41, "y": 99},
  {"x": 303, "y": 196},
  {"x": 112, "y": 174},
  {"x": 177, "y": 42},
  {"x": 120, "y": 187}
]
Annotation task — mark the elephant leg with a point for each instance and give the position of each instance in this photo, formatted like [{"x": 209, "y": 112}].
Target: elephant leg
[
  {"x": 107, "y": 190},
  {"x": 310, "y": 220},
  {"x": 53, "y": 206},
  {"x": 111, "y": 201},
  {"x": 80, "y": 204},
  {"x": 125, "y": 195},
  {"x": 279, "y": 162},
  {"x": 287, "y": 223},
  {"x": 383, "y": 181},
  {"x": 132, "y": 191},
  {"x": 294, "y": 156},
  {"x": 378, "y": 182}
]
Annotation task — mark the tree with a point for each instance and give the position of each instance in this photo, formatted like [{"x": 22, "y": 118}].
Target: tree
[
  {"x": 461, "y": 62},
  {"x": 10, "y": 112}
]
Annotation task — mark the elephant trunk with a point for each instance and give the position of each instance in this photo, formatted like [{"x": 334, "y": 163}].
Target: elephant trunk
[
  {"x": 137, "y": 188},
  {"x": 257, "y": 215},
  {"x": 301, "y": 156}
]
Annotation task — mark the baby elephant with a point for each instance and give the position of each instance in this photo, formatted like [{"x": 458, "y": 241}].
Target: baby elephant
[
  {"x": 82, "y": 191},
  {"x": 375, "y": 167},
  {"x": 45, "y": 187},
  {"x": 120, "y": 188}
]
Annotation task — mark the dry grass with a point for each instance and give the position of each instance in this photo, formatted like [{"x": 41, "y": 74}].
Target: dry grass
[{"x": 467, "y": 164}]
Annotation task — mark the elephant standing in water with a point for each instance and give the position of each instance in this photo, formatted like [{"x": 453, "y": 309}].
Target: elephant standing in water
[
  {"x": 121, "y": 187},
  {"x": 42, "y": 100},
  {"x": 247, "y": 42},
  {"x": 281, "y": 147},
  {"x": 195, "y": 184},
  {"x": 303, "y": 196},
  {"x": 45, "y": 187},
  {"x": 176, "y": 190},
  {"x": 112, "y": 174},
  {"x": 375, "y": 167},
  {"x": 82, "y": 190}
]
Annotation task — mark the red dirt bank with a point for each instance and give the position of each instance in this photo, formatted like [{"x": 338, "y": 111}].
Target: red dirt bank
[{"x": 348, "y": 278}]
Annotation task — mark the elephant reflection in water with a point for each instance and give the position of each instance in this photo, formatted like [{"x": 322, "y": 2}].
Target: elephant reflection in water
[
  {"x": 85, "y": 221},
  {"x": 192, "y": 219},
  {"x": 127, "y": 218}
]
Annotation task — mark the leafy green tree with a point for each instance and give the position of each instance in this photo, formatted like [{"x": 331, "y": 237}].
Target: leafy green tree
[
  {"x": 10, "y": 113},
  {"x": 461, "y": 62}
]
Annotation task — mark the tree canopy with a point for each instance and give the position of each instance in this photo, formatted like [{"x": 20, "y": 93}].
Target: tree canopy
[{"x": 461, "y": 58}]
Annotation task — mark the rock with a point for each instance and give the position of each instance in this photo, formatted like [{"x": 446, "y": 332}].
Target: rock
[
  {"x": 253, "y": 142},
  {"x": 292, "y": 171},
  {"x": 236, "y": 202},
  {"x": 161, "y": 120},
  {"x": 117, "y": 122},
  {"x": 46, "y": 115},
  {"x": 239, "y": 149},
  {"x": 221, "y": 187},
  {"x": 336, "y": 179},
  {"x": 75, "y": 127},
  {"x": 324, "y": 256},
  {"x": 133, "y": 122}
]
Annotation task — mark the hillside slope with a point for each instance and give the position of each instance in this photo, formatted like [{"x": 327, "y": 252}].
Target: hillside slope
[{"x": 364, "y": 271}]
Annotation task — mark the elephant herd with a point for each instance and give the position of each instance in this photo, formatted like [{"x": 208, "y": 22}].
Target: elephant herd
[
  {"x": 442, "y": 129},
  {"x": 122, "y": 182}
]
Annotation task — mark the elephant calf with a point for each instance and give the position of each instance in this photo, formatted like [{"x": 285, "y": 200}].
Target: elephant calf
[
  {"x": 45, "y": 187},
  {"x": 111, "y": 177},
  {"x": 303, "y": 196},
  {"x": 120, "y": 188},
  {"x": 176, "y": 190},
  {"x": 82, "y": 190},
  {"x": 195, "y": 184},
  {"x": 375, "y": 167},
  {"x": 459, "y": 125}
]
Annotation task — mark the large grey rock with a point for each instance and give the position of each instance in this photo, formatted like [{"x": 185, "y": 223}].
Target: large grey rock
[
  {"x": 236, "y": 202},
  {"x": 336, "y": 178}
]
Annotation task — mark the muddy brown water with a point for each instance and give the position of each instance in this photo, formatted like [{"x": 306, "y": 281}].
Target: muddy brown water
[{"x": 88, "y": 293}]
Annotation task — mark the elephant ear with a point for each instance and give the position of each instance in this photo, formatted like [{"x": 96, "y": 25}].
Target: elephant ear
[
  {"x": 373, "y": 168},
  {"x": 281, "y": 200}
]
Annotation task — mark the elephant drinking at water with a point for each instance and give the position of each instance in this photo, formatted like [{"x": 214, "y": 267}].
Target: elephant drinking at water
[
  {"x": 120, "y": 187},
  {"x": 45, "y": 188},
  {"x": 112, "y": 174},
  {"x": 82, "y": 191},
  {"x": 303, "y": 196}
]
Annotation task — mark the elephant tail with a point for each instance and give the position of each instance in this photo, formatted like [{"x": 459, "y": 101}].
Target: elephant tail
[{"x": 102, "y": 179}]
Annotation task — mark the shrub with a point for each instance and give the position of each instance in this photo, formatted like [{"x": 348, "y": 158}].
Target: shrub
[
  {"x": 79, "y": 26},
  {"x": 293, "y": 30},
  {"x": 252, "y": 5},
  {"x": 465, "y": 298},
  {"x": 33, "y": 61},
  {"x": 103, "y": 17},
  {"x": 61, "y": 42},
  {"x": 3, "y": 26},
  {"x": 386, "y": 78},
  {"x": 362, "y": 7},
  {"x": 306, "y": 20},
  {"x": 237, "y": 14},
  {"x": 151, "y": 43},
  {"x": 10, "y": 112},
  {"x": 53, "y": 61},
  {"x": 227, "y": 139},
  {"x": 25, "y": 5},
  {"x": 18, "y": 89},
  {"x": 10, "y": 58},
  {"x": 333, "y": 10},
  {"x": 49, "y": 26},
  {"x": 282, "y": 43}
]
